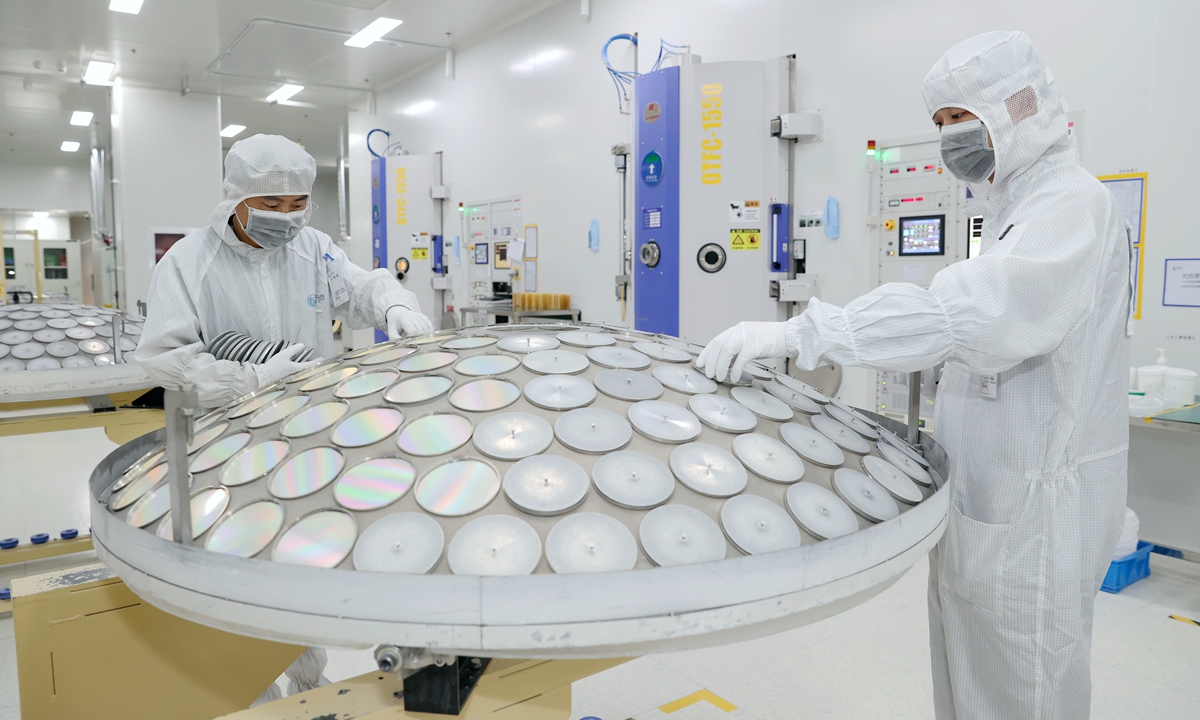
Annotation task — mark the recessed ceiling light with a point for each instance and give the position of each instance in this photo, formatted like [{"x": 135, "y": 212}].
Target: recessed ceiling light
[
  {"x": 284, "y": 93},
  {"x": 40, "y": 214},
  {"x": 232, "y": 130},
  {"x": 81, "y": 118},
  {"x": 133, "y": 7},
  {"x": 420, "y": 108},
  {"x": 70, "y": 146},
  {"x": 382, "y": 26},
  {"x": 99, "y": 73}
]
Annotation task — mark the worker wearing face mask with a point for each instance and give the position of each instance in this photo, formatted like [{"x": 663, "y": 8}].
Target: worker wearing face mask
[
  {"x": 260, "y": 270},
  {"x": 1038, "y": 451}
]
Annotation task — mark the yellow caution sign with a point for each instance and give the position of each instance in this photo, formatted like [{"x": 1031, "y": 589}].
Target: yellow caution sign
[
  {"x": 744, "y": 239},
  {"x": 420, "y": 253}
]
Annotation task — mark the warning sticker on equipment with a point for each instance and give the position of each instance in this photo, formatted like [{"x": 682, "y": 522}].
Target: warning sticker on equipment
[
  {"x": 744, "y": 211},
  {"x": 420, "y": 253},
  {"x": 744, "y": 239}
]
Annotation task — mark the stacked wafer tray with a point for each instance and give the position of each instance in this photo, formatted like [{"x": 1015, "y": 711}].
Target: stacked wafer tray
[
  {"x": 54, "y": 337},
  {"x": 231, "y": 345}
]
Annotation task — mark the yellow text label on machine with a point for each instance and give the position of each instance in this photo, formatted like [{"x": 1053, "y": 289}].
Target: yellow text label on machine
[
  {"x": 745, "y": 239},
  {"x": 710, "y": 147},
  {"x": 420, "y": 253},
  {"x": 401, "y": 181}
]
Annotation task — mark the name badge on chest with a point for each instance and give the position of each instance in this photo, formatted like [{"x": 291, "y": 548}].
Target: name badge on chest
[{"x": 337, "y": 284}]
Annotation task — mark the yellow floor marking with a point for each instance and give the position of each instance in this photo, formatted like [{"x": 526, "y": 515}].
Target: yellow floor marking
[
  {"x": 698, "y": 697},
  {"x": 1182, "y": 619}
]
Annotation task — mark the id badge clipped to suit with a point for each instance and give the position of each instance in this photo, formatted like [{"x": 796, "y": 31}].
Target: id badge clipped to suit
[{"x": 337, "y": 283}]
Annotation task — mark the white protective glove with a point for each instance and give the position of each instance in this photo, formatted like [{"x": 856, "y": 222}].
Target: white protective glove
[
  {"x": 402, "y": 322},
  {"x": 283, "y": 364},
  {"x": 740, "y": 344}
]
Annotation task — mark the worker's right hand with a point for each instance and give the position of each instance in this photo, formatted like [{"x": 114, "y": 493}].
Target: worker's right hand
[
  {"x": 283, "y": 363},
  {"x": 739, "y": 345}
]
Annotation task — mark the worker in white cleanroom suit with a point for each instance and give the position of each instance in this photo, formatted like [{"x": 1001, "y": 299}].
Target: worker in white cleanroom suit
[
  {"x": 259, "y": 269},
  {"x": 1037, "y": 481}
]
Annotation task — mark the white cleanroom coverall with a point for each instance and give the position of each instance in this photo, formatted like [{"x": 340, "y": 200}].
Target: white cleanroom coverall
[
  {"x": 1038, "y": 473},
  {"x": 211, "y": 282}
]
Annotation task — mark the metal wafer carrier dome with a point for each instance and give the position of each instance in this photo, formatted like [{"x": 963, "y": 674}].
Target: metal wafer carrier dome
[{"x": 523, "y": 491}]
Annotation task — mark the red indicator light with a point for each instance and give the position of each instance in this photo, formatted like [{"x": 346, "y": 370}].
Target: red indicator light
[
  {"x": 894, "y": 171},
  {"x": 912, "y": 169},
  {"x": 920, "y": 199},
  {"x": 929, "y": 167}
]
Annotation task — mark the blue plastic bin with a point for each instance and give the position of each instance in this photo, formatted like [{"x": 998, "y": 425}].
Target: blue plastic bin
[{"x": 1129, "y": 569}]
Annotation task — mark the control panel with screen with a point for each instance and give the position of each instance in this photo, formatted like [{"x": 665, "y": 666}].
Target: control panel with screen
[{"x": 923, "y": 235}]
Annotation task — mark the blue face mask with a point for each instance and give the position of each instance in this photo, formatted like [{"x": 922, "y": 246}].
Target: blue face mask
[{"x": 275, "y": 229}]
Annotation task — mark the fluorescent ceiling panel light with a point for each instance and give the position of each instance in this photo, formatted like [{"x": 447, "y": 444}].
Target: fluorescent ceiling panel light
[
  {"x": 39, "y": 214},
  {"x": 420, "y": 108},
  {"x": 373, "y": 32},
  {"x": 284, "y": 93},
  {"x": 232, "y": 130},
  {"x": 99, "y": 73},
  {"x": 82, "y": 118},
  {"x": 70, "y": 146},
  {"x": 133, "y": 7}
]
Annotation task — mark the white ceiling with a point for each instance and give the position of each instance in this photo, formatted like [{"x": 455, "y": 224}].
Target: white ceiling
[{"x": 45, "y": 44}]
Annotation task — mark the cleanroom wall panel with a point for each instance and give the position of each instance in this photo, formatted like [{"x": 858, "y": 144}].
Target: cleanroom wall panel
[
  {"x": 531, "y": 111},
  {"x": 167, "y": 167}
]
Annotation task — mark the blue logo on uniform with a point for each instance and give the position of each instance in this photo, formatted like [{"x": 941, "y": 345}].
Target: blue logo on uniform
[
  {"x": 315, "y": 299},
  {"x": 652, "y": 168}
]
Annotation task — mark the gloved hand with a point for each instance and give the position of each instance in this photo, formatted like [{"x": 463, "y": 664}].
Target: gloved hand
[
  {"x": 402, "y": 322},
  {"x": 740, "y": 344},
  {"x": 283, "y": 364}
]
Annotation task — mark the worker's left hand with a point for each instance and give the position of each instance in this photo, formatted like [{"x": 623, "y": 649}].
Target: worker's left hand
[
  {"x": 739, "y": 345},
  {"x": 402, "y": 322}
]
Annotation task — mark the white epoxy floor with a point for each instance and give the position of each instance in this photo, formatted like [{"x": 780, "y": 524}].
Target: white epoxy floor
[{"x": 871, "y": 662}]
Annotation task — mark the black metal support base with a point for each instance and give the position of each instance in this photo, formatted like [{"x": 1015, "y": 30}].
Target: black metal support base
[{"x": 443, "y": 690}]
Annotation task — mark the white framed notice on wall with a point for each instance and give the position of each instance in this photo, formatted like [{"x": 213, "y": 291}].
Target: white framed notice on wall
[{"x": 1181, "y": 282}]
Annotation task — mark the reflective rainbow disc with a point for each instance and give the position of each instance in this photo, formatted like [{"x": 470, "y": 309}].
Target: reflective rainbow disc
[
  {"x": 374, "y": 484},
  {"x": 366, "y": 384},
  {"x": 315, "y": 419},
  {"x": 435, "y": 434},
  {"x": 367, "y": 426},
  {"x": 427, "y": 361},
  {"x": 219, "y": 452},
  {"x": 200, "y": 439},
  {"x": 248, "y": 531},
  {"x": 151, "y": 507},
  {"x": 420, "y": 389},
  {"x": 306, "y": 473},
  {"x": 468, "y": 343},
  {"x": 207, "y": 506},
  {"x": 256, "y": 403},
  {"x": 313, "y": 372},
  {"x": 254, "y": 462},
  {"x": 138, "y": 487},
  {"x": 485, "y": 395},
  {"x": 457, "y": 488},
  {"x": 278, "y": 411},
  {"x": 387, "y": 356},
  {"x": 329, "y": 379},
  {"x": 322, "y": 539},
  {"x": 486, "y": 365}
]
